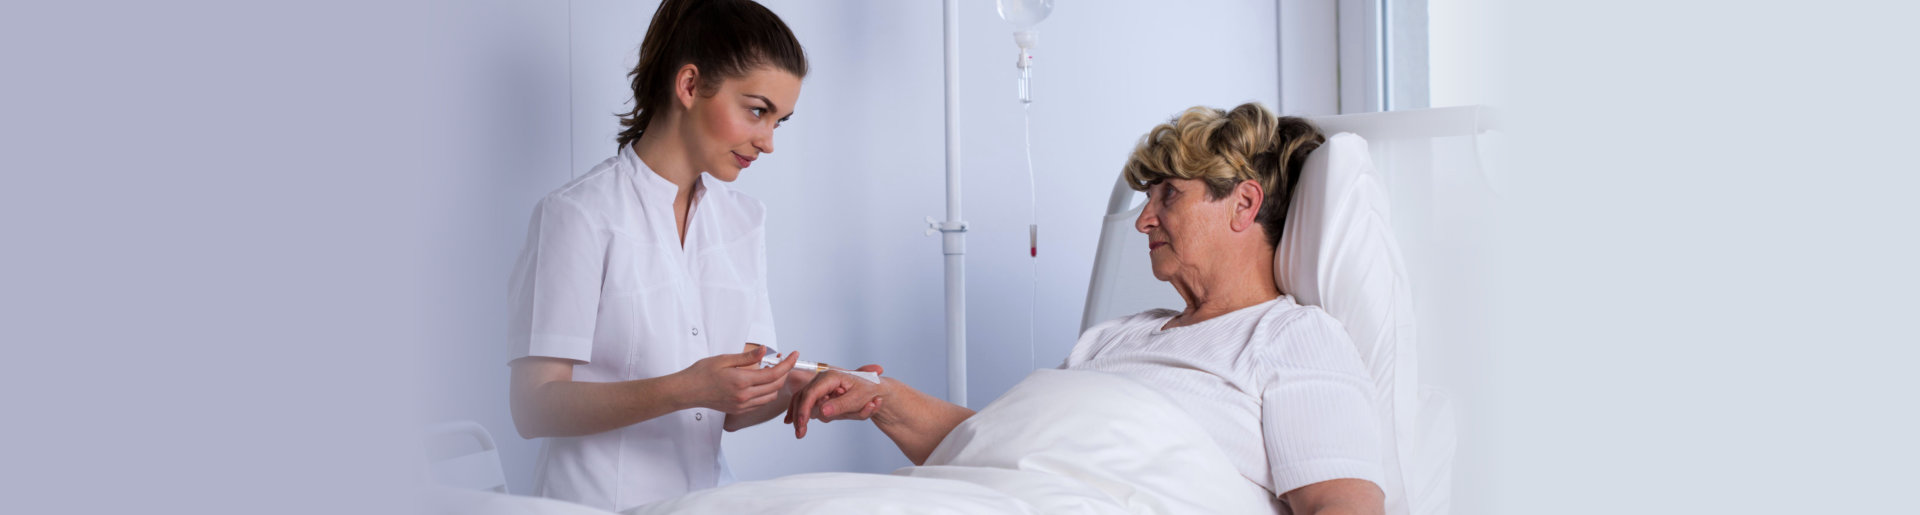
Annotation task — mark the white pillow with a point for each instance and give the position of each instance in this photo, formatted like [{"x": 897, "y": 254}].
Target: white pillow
[{"x": 1337, "y": 251}]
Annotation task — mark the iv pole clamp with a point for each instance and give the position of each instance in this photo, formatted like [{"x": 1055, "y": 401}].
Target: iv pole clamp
[{"x": 952, "y": 243}]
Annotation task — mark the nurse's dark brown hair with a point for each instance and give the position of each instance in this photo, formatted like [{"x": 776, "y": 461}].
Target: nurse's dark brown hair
[{"x": 724, "y": 39}]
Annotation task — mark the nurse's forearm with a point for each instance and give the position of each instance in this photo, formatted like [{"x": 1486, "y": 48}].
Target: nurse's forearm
[
  {"x": 916, "y": 422},
  {"x": 572, "y": 408}
]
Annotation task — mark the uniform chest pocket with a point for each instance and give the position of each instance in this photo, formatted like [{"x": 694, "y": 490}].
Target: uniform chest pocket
[{"x": 634, "y": 266}]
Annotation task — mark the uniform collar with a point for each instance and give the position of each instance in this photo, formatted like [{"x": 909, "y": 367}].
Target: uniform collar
[{"x": 652, "y": 187}]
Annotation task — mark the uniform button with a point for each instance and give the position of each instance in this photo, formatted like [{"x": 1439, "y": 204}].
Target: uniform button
[
  {"x": 696, "y": 331},
  {"x": 697, "y": 416}
]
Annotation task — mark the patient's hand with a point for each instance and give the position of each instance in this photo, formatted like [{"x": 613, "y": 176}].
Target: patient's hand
[
  {"x": 834, "y": 396},
  {"x": 798, "y": 378}
]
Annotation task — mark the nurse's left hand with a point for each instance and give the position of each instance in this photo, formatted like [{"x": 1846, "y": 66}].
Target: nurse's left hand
[{"x": 734, "y": 383}]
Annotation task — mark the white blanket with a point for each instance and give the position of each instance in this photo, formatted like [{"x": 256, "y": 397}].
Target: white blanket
[{"x": 1058, "y": 442}]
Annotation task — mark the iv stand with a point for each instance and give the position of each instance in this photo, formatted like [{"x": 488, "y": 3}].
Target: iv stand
[{"x": 953, "y": 231}]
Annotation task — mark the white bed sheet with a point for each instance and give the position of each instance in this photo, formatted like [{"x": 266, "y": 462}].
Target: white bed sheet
[{"x": 1059, "y": 442}]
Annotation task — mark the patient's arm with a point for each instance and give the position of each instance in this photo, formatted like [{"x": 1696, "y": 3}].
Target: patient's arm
[
  {"x": 915, "y": 421},
  {"x": 1337, "y": 496}
]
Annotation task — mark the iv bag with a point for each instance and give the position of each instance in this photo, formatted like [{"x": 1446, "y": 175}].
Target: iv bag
[{"x": 1024, "y": 14}]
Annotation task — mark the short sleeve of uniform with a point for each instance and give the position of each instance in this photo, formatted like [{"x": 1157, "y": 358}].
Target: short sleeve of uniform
[
  {"x": 1316, "y": 411},
  {"x": 555, "y": 290}
]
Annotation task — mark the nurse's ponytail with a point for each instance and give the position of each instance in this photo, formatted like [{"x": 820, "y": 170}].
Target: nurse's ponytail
[{"x": 725, "y": 39}]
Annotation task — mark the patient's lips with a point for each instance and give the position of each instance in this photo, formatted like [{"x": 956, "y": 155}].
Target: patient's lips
[{"x": 1154, "y": 245}]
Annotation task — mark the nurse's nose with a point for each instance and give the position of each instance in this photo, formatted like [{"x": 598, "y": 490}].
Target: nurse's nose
[{"x": 764, "y": 143}]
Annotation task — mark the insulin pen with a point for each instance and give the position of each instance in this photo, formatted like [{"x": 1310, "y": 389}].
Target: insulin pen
[{"x": 770, "y": 360}]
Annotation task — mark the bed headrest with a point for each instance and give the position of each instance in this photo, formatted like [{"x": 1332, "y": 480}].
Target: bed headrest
[{"x": 1337, "y": 251}]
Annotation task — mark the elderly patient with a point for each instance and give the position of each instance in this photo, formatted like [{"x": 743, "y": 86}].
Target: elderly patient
[{"x": 1276, "y": 384}]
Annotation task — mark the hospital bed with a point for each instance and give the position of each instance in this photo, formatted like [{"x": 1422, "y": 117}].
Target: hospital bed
[{"x": 1383, "y": 233}]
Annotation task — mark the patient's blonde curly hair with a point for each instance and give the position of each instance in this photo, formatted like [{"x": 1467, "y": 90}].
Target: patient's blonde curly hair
[{"x": 1226, "y": 147}]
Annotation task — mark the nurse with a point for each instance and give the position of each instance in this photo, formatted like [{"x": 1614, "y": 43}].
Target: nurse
[{"x": 640, "y": 311}]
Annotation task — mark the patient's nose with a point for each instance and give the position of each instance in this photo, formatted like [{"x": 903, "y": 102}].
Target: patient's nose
[{"x": 1149, "y": 218}]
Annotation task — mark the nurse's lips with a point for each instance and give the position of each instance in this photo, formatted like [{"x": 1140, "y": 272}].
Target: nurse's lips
[{"x": 743, "y": 161}]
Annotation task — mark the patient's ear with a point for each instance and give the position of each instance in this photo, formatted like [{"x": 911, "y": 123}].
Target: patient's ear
[{"x": 1246, "y": 198}]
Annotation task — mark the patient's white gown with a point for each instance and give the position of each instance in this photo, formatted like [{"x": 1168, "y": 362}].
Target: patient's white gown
[{"x": 1277, "y": 385}]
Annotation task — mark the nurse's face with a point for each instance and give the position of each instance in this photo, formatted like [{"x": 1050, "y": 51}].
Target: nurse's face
[{"x": 734, "y": 126}]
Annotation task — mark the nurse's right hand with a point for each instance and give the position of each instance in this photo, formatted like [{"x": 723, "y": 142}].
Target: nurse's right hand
[{"x": 734, "y": 383}]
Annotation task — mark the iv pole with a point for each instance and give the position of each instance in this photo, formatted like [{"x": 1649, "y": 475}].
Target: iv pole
[{"x": 953, "y": 231}]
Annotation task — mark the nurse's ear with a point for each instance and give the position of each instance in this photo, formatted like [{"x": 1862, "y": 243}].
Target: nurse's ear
[{"x": 686, "y": 85}]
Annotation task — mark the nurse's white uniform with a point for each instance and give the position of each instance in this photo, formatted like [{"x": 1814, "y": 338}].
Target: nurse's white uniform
[{"x": 604, "y": 280}]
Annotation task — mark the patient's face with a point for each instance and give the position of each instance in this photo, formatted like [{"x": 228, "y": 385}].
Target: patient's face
[{"x": 1182, "y": 226}]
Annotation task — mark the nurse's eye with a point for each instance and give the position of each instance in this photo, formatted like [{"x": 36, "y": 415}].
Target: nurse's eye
[{"x": 757, "y": 111}]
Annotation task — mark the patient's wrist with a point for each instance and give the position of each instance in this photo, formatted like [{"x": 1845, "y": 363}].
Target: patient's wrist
[{"x": 890, "y": 402}]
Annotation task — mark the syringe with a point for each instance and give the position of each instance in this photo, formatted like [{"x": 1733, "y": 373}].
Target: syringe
[{"x": 771, "y": 360}]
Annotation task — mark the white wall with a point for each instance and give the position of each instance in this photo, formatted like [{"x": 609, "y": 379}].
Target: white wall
[
  {"x": 1707, "y": 269},
  {"x": 505, "y": 89},
  {"x": 1462, "y": 37},
  {"x": 212, "y": 214},
  {"x": 853, "y": 177}
]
